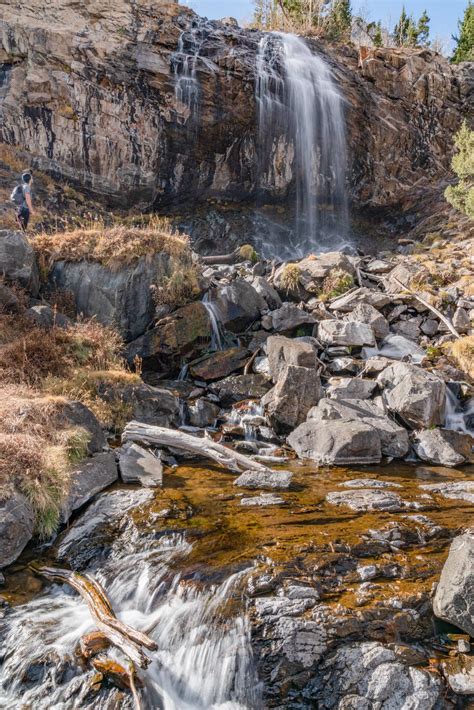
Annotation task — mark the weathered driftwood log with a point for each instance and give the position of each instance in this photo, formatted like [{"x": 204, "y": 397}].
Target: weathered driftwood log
[
  {"x": 119, "y": 675},
  {"x": 93, "y": 643},
  {"x": 128, "y": 640},
  {"x": 136, "y": 431},
  {"x": 231, "y": 258}
]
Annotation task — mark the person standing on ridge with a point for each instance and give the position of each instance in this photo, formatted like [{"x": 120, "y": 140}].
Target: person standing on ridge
[{"x": 21, "y": 197}]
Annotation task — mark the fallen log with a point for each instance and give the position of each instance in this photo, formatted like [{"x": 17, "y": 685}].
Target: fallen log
[
  {"x": 93, "y": 643},
  {"x": 231, "y": 258},
  {"x": 232, "y": 460},
  {"x": 128, "y": 640}
]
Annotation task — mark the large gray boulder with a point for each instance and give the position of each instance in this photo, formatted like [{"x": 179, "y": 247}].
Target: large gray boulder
[
  {"x": 138, "y": 465},
  {"x": 443, "y": 447},
  {"x": 18, "y": 261},
  {"x": 454, "y": 597},
  {"x": 16, "y": 527},
  {"x": 347, "y": 333},
  {"x": 239, "y": 387},
  {"x": 287, "y": 404},
  {"x": 416, "y": 395},
  {"x": 237, "y": 305},
  {"x": 203, "y": 413},
  {"x": 264, "y": 480},
  {"x": 87, "y": 479},
  {"x": 287, "y": 319},
  {"x": 337, "y": 443},
  {"x": 394, "y": 441},
  {"x": 282, "y": 351},
  {"x": 121, "y": 297},
  {"x": 350, "y": 388},
  {"x": 78, "y": 415},
  {"x": 366, "y": 313},
  {"x": 267, "y": 292}
]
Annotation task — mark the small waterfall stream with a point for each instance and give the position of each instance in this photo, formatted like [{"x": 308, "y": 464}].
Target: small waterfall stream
[
  {"x": 302, "y": 135},
  {"x": 217, "y": 337}
]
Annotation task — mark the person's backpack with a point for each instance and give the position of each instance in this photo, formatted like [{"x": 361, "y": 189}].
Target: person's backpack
[{"x": 17, "y": 196}]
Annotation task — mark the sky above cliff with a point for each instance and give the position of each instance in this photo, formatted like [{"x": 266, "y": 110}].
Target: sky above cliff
[{"x": 444, "y": 15}]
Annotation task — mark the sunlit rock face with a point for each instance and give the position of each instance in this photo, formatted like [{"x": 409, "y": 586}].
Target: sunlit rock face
[{"x": 147, "y": 103}]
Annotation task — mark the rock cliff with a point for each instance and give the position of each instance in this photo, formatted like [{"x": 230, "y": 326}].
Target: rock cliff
[{"x": 146, "y": 103}]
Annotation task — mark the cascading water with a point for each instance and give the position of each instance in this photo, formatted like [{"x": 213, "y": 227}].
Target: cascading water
[
  {"x": 217, "y": 337},
  {"x": 301, "y": 131},
  {"x": 204, "y": 658},
  {"x": 459, "y": 417}
]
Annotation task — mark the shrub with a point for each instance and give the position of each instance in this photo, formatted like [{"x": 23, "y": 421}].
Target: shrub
[
  {"x": 336, "y": 284},
  {"x": 248, "y": 253},
  {"x": 461, "y": 195}
]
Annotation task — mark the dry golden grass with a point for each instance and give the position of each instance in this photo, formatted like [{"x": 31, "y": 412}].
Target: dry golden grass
[
  {"x": 462, "y": 352},
  {"x": 290, "y": 278}
]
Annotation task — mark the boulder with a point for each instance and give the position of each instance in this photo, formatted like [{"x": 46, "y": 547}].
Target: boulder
[
  {"x": 350, "y": 388},
  {"x": 120, "y": 297},
  {"x": 336, "y": 443},
  {"x": 365, "y": 313},
  {"x": 349, "y": 301},
  {"x": 9, "y": 302},
  {"x": 152, "y": 405},
  {"x": 45, "y": 317},
  {"x": 266, "y": 480},
  {"x": 409, "y": 329},
  {"x": 78, "y": 415},
  {"x": 455, "y": 490},
  {"x": 203, "y": 413},
  {"x": 454, "y": 597},
  {"x": 287, "y": 319},
  {"x": 239, "y": 387},
  {"x": 219, "y": 364},
  {"x": 397, "y": 347},
  {"x": 88, "y": 478},
  {"x": 347, "y": 333},
  {"x": 267, "y": 292},
  {"x": 417, "y": 396},
  {"x": 282, "y": 351},
  {"x": 18, "y": 261},
  {"x": 186, "y": 334},
  {"x": 237, "y": 305},
  {"x": 443, "y": 447},
  {"x": 405, "y": 275},
  {"x": 459, "y": 672},
  {"x": 462, "y": 320},
  {"x": 289, "y": 401},
  {"x": 16, "y": 527},
  {"x": 312, "y": 272},
  {"x": 363, "y": 500},
  {"x": 138, "y": 465}
]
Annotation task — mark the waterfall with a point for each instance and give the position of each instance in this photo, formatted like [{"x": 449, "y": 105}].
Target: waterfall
[
  {"x": 301, "y": 137},
  {"x": 217, "y": 337},
  {"x": 204, "y": 657},
  {"x": 458, "y": 417}
]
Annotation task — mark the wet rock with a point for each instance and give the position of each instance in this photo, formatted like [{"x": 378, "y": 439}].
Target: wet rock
[
  {"x": 138, "y": 465},
  {"x": 283, "y": 351},
  {"x": 237, "y": 305},
  {"x": 184, "y": 334},
  {"x": 77, "y": 414},
  {"x": 369, "y": 483},
  {"x": 444, "y": 447},
  {"x": 417, "y": 396},
  {"x": 459, "y": 672},
  {"x": 397, "y": 347},
  {"x": 270, "y": 480},
  {"x": 16, "y": 527},
  {"x": 203, "y": 413},
  {"x": 366, "y": 676},
  {"x": 287, "y": 319},
  {"x": 18, "y": 261},
  {"x": 120, "y": 297},
  {"x": 365, "y": 313},
  {"x": 336, "y": 443},
  {"x": 87, "y": 479},
  {"x": 220, "y": 364},
  {"x": 454, "y": 598},
  {"x": 267, "y": 292},
  {"x": 456, "y": 490},
  {"x": 363, "y": 295},
  {"x": 262, "y": 500},
  {"x": 239, "y": 387},
  {"x": 350, "y": 333},
  {"x": 363, "y": 500},
  {"x": 289, "y": 401},
  {"x": 342, "y": 388}
]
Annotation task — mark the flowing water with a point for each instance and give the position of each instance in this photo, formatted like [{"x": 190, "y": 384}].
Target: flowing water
[
  {"x": 459, "y": 416},
  {"x": 217, "y": 334},
  {"x": 302, "y": 137}
]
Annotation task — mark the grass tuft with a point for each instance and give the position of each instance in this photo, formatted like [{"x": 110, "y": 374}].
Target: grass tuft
[
  {"x": 462, "y": 352},
  {"x": 290, "y": 277}
]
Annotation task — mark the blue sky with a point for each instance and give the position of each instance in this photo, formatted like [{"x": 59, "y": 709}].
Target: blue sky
[{"x": 444, "y": 14}]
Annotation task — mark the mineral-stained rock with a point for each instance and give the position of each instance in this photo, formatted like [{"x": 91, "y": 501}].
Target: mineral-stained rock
[
  {"x": 16, "y": 527},
  {"x": 271, "y": 480},
  {"x": 137, "y": 464},
  {"x": 454, "y": 598},
  {"x": 365, "y": 313},
  {"x": 283, "y": 351},
  {"x": 350, "y": 388},
  {"x": 237, "y": 305},
  {"x": 351, "y": 333},
  {"x": 203, "y": 413},
  {"x": 444, "y": 447},
  {"x": 417, "y": 396},
  {"x": 349, "y": 301},
  {"x": 120, "y": 297},
  {"x": 239, "y": 387},
  {"x": 184, "y": 334},
  {"x": 287, "y": 319},
  {"x": 18, "y": 260},
  {"x": 220, "y": 364},
  {"x": 367, "y": 499},
  {"x": 289, "y": 401},
  {"x": 87, "y": 479},
  {"x": 336, "y": 443}
]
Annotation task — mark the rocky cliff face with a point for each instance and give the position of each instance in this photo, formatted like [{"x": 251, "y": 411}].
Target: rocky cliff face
[{"x": 92, "y": 92}]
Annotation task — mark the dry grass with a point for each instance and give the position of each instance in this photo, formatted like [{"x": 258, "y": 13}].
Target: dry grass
[
  {"x": 290, "y": 278},
  {"x": 462, "y": 352},
  {"x": 336, "y": 284}
]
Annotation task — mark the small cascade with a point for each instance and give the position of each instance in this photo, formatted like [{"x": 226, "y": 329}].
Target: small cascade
[
  {"x": 250, "y": 416},
  {"x": 217, "y": 338},
  {"x": 459, "y": 417},
  {"x": 183, "y": 373},
  {"x": 204, "y": 658},
  {"x": 301, "y": 132}
]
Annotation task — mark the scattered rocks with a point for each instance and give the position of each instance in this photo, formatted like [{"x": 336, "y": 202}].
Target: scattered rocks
[
  {"x": 350, "y": 333},
  {"x": 271, "y": 480},
  {"x": 443, "y": 447},
  {"x": 16, "y": 527},
  {"x": 138, "y": 465},
  {"x": 454, "y": 598}
]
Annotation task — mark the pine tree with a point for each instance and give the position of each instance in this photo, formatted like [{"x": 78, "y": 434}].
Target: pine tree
[
  {"x": 401, "y": 29},
  {"x": 464, "y": 51},
  {"x": 340, "y": 20},
  {"x": 378, "y": 37},
  {"x": 412, "y": 34},
  {"x": 461, "y": 195},
  {"x": 423, "y": 30}
]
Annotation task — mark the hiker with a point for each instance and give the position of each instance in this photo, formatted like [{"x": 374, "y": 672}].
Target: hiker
[{"x": 21, "y": 197}]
